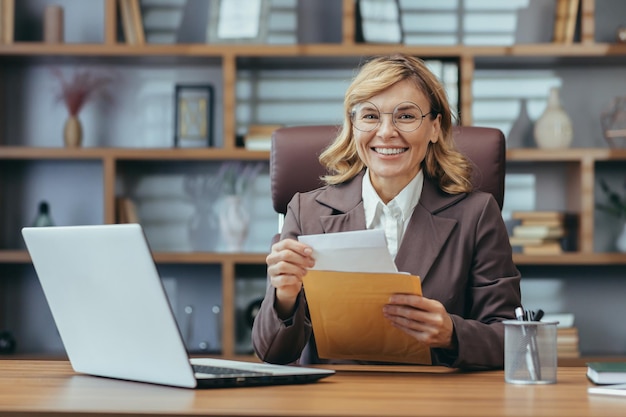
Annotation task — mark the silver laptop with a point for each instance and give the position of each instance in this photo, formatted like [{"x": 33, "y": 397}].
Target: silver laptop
[{"x": 114, "y": 318}]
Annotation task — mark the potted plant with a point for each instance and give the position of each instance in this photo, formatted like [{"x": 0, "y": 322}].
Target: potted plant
[{"x": 615, "y": 205}]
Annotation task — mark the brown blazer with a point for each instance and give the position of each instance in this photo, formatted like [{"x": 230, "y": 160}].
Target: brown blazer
[{"x": 457, "y": 244}]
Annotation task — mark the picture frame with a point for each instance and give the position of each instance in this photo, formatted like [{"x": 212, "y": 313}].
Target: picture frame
[
  {"x": 238, "y": 21},
  {"x": 193, "y": 116},
  {"x": 379, "y": 21}
]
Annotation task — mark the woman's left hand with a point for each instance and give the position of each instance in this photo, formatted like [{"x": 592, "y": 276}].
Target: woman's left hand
[{"x": 422, "y": 318}]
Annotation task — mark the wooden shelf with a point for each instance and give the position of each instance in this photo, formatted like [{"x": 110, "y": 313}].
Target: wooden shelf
[
  {"x": 568, "y": 258},
  {"x": 571, "y": 258},
  {"x": 571, "y": 154},
  {"x": 599, "y": 50},
  {"x": 21, "y": 257},
  {"x": 25, "y": 153}
]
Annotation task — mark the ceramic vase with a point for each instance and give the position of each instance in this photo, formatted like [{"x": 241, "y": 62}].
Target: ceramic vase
[
  {"x": 234, "y": 222},
  {"x": 203, "y": 228},
  {"x": 73, "y": 132},
  {"x": 553, "y": 129}
]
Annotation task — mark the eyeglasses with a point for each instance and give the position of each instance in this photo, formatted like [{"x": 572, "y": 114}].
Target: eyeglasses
[{"x": 406, "y": 116}]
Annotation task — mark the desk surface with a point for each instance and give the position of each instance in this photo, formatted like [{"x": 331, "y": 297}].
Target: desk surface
[{"x": 51, "y": 387}]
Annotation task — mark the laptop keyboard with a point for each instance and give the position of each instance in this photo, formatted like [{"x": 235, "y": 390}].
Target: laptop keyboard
[{"x": 220, "y": 371}]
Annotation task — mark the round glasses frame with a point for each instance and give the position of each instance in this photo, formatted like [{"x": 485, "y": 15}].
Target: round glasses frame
[{"x": 406, "y": 116}]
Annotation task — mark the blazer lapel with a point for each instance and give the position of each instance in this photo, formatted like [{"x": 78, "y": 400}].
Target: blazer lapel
[
  {"x": 426, "y": 232},
  {"x": 346, "y": 202}
]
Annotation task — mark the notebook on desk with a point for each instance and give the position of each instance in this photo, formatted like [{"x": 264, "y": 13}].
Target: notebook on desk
[{"x": 114, "y": 318}]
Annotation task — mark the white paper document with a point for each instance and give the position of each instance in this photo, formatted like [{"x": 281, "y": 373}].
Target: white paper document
[{"x": 355, "y": 251}]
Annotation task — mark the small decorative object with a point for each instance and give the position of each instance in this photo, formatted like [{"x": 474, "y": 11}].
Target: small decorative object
[
  {"x": 553, "y": 129},
  {"x": 615, "y": 206},
  {"x": 234, "y": 217},
  {"x": 234, "y": 222},
  {"x": 53, "y": 24},
  {"x": 613, "y": 121},
  {"x": 621, "y": 34},
  {"x": 7, "y": 343},
  {"x": 43, "y": 218},
  {"x": 75, "y": 93},
  {"x": 521, "y": 133},
  {"x": 378, "y": 21},
  {"x": 193, "y": 116},
  {"x": 238, "y": 21},
  {"x": 203, "y": 225}
]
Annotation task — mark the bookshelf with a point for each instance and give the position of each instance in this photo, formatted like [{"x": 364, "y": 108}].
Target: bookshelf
[{"x": 21, "y": 159}]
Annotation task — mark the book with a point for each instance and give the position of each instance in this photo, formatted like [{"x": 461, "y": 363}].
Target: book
[
  {"x": 531, "y": 241},
  {"x": 560, "y": 19},
  {"x": 607, "y": 372},
  {"x": 546, "y": 248},
  {"x": 547, "y": 215},
  {"x": 570, "y": 22},
  {"x": 538, "y": 231},
  {"x": 126, "y": 210},
  {"x": 565, "y": 320},
  {"x": 617, "y": 390},
  {"x": 137, "y": 22},
  {"x": 2, "y": 12},
  {"x": 126, "y": 14},
  {"x": 7, "y": 25},
  {"x": 542, "y": 222}
]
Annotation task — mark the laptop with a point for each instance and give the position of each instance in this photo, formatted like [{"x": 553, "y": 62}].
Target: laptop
[{"x": 114, "y": 318}]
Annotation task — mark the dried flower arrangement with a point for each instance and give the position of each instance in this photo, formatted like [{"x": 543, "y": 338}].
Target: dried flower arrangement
[
  {"x": 237, "y": 176},
  {"x": 80, "y": 88}
]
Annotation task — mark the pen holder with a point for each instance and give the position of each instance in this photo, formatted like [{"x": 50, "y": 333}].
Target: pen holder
[{"x": 530, "y": 352}]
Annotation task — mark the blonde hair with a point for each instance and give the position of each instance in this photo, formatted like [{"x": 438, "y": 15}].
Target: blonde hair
[{"x": 442, "y": 162}]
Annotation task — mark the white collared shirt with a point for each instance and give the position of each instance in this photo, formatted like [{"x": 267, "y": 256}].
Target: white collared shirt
[{"x": 393, "y": 217}]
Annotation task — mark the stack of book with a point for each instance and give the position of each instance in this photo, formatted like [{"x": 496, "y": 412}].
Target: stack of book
[
  {"x": 567, "y": 342},
  {"x": 543, "y": 232},
  {"x": 259, "y": 137},
  {"x": 567, "y": 339}
]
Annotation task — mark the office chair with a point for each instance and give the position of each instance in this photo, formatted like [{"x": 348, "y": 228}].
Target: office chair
[{"x": 294, "y": 164}]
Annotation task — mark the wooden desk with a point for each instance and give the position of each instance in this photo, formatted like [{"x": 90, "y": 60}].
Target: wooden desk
[{"x": 51, "y": 388}]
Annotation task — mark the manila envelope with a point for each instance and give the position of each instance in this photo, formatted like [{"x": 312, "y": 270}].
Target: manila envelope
[{"x": 347, "y": 316}]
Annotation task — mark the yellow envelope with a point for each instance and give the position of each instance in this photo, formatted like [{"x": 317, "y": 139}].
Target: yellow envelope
[{"x": 347, "y": 316}]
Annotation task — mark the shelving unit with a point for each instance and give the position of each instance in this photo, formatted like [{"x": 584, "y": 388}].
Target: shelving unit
[{"x": 580, "y": 163}]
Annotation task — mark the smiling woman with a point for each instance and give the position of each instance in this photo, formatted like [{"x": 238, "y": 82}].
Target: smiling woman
[{"x": 394, "y": 166}]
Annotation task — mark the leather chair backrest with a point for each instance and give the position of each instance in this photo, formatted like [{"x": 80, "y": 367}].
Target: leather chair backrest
[{"x": 294, "y": 164}]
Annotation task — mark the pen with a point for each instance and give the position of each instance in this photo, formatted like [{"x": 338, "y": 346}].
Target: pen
[{"x": 532, "y": 361}]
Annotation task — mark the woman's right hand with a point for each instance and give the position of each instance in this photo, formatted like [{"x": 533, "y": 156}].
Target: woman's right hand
[{"x": 287, "y": 263}]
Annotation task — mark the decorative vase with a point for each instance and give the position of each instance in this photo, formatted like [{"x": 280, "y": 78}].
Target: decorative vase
[
  {"x": 73, "y": 132},
  {"x": 203, "y": 228},
  {"x": 553, "y": 129},
  {"x": 620, "y": 242},
  {"x": 521, "y": 133},
  {"x": 234, "y": 222}
]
